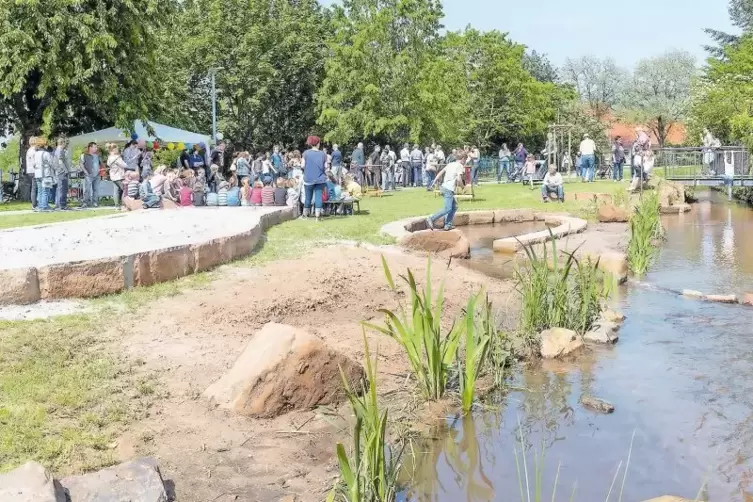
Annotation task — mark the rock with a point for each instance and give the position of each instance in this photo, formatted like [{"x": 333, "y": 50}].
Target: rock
[
  {"x": 721, "y": 298},
  {"x": 513, "y": 215},
  {"x": 612, "y": 262},
  {"x": 451, "y": 244},
  {"x": 596, "y": 404},
  {"x": 557, "y": 342},
  {"x": 136, "y": 481},
  {"x": 669, "y": 194},
  {"x": 30, "y": 483},
  {"x": 605, "y": 198},
  {"x": 281, "y": 369},
  {"x": 19, "y": 286},
  {"x": 612, "y": 316},
  {"x": 690, "y": 293},
  {"x": 585, "y": 196},
  {"x": 603, "y": 332},
  {"x": 747, "y": 299},
  {"x": 668, "y": 498},
  {"x": 609, "y": 213},
  {"x": 85, "y": 279},
  {"x": 675, "y": 208},
  {"x": 162, "y": 265},
  {"x": 480, "y": 217}
]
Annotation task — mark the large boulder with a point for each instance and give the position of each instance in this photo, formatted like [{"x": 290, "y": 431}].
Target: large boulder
[
  {"x": 19, "y": 286},
  {"x": 30, "y": 483},
  {"x": 452, "y": 244},
  {"x": 557, "y": 342},
  {"x": 281, "y": 369},
  {"x": 670, "y": 193},
  {"x": 603, "y": 332},
  {"x": 135, "y": 481},
  {"x": 614, "y": 263},
  {"x": 609, "y": 213}
]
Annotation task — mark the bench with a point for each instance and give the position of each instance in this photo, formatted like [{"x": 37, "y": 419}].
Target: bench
[{"x": 334, "y": 205}]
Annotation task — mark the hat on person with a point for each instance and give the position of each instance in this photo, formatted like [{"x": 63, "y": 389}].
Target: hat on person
[{"x": 585, "y": 136}]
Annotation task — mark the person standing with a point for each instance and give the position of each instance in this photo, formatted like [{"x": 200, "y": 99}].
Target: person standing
[
  {"x": 504, "y": 163},
  {"x": 217, "y": 156},
  {"x": 117, "y": 167},
  {"x": 30, "y": 171},
  {"x": 588, "y": 157},
  {"x": 131, "y": 156},
  {"x": 432, "y": 165},
  {"x": 618, "y": 159},
  {"x": 337, "y": 163},
  {"x": 388, "y": 169},
  {"x": 358, "y": 161},
  {"x": 451, "y": 175},
  {"x": 314, "y": 177},
  {"x": 43, "y": 174},
  {"x": 475, "y": 158},
  {"x": 92, "y": 164},
  {"x": 375, "y": 168},
  {"x": 403, "y": 172},
  {"x": 416, "y": 163},
  {"x": 62, "y": 168},
  {"x": 521, "y": 154}
]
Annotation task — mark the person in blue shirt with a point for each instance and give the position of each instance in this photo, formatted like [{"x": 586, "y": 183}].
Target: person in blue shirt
[
  {"x": 337, "y": 162},
  {"x": 314, "y": 177},
  {"x": 278, "y": 163},
  {"x": 358, "y": 159}
]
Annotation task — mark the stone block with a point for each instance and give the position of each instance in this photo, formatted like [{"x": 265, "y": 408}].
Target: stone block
[
  {"x": 163, "y": 265},
  {"x": 451, "y": 244},
  {"x": 85, "y": 279},
  {"x": 207, "y": 255},
  {"x": 30, "y": 483},
  {"x": 596, "y": 404},
  {"x": 603, "y": 332},
  {"x": 513, "y": 215},
  {"x": 282, "y": 369},
  {"x": 609, "y": 213},
  {"x": 612, "y": 262},
  {"x": 721, "y": 298},
  {"x": 558, "y": 342},
  {"x": 480, "y": 217},
  {"x": 19, "y": 286},
  {"x": 135, "y": 481}
]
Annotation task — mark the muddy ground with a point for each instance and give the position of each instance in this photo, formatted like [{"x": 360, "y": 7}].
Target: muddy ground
[{"x": 190, "y": 340}]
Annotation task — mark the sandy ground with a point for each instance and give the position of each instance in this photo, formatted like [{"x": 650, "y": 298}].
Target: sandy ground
[
  {"x": 122, "y": 234},
  {"x": 191, "y": 339}
]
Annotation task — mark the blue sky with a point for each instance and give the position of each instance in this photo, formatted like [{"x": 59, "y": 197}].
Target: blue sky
[{"x": 562, "y": 28}]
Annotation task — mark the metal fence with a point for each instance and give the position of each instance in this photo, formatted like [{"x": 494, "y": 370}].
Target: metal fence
[{"x": 701, "y": 162}]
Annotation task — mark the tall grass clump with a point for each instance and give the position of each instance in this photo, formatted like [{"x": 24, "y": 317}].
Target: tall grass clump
[
  {"x": 433, "y": 352},
  {"x": 370, "y": 473},
  {"x": 559, "y": 293},
  {"x": 645, "y": 231}
]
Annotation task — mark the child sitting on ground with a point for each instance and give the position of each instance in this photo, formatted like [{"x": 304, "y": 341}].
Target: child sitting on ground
[
  {"x": 256, "y": 193},
  {"x": 292, "y": 194},
  {"x": 245, "y": 192},
  {"x": 185, "y": 194},
  {"x": 281, "y": 193},
  {"x": 222, "y": 193},
  {"x": 131, "y": 185},
  {"x": 268, "y": 195},
  {"x": 215, "y": 178},
  {"x": 148, "y": 198},
  {"x": 233, "y": 196}
]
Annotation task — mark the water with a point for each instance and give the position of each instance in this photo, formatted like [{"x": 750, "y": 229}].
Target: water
[{"x": 681, "y": 379}]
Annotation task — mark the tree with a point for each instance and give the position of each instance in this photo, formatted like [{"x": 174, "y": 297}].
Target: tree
[
  {"x": 540, "y": 68},
  {"x": 598, "y": 82},
  {"x": 659, "y": 92},
  {"x": 373, "y": 87},
  {"x": 70, "y": 65},
  {"x": 722, "y": 99},
  {"x": 271, "y": 57},
  {"x": 741, "y": 15}
]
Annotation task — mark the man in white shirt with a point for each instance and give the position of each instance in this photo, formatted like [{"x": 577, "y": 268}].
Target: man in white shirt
[
  {"x": 553, "y": 185},
  {"x": 588, "y": 157},
  {"x": 401, "y": 176},
  {"x": 451, "y": 175},
  {"x": 30, "y": 153}
]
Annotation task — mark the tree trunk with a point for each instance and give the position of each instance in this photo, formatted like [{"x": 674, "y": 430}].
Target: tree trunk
[{"x": 661, "y": 131}]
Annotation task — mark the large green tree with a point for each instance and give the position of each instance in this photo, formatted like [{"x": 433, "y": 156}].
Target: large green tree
[
  {"x": 658, "y": 95},
  {"x": 741, "y": 15},
  {"x": 598, "y": 82},
  {"x": 378, "y": 56},
  {"x": 70, "y": 65}
]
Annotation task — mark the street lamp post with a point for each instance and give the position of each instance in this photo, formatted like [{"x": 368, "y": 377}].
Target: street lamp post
[{"x": 213, "y": 74}]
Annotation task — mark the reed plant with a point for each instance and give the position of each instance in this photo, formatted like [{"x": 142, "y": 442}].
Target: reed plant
[
  {"x": 370, "y": 472},
  {"x": 478, "y": 336},
  {"x": 559, "y": 292},
  {"x": 645, "y": 231}
]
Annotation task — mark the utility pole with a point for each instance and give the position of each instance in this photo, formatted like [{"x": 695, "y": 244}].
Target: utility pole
[{"x": 212, "y": 75}]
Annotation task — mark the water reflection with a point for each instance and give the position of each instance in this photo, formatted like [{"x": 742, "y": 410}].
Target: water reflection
[{"x": 681, "y": 377}]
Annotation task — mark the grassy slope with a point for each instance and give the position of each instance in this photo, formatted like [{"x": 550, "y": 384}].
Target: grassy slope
[{"x": 64, "y": 396}]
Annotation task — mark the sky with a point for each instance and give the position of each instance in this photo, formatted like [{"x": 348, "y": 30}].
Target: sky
[{"x": 569, "y": 29}]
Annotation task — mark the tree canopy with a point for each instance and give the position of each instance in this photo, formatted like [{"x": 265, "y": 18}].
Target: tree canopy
[{"x": 599, "y": 82}]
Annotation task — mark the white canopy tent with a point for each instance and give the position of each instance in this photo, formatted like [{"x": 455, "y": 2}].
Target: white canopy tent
[{"x": 163, "y": 133}]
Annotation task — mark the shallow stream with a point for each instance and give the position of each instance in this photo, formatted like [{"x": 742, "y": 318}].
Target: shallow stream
[{"x": 681, "y": 379}]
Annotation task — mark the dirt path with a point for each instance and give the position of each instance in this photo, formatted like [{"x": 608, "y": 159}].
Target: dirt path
[{"x": 191, "y": 339}]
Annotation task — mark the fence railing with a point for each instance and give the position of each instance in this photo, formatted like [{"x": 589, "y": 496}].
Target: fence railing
[{"x": 701, "y": 162}]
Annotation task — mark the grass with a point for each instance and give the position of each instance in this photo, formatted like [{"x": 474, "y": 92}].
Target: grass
[
  {"x": 26, "y": 220},
  {"x": 645, "y": 230},
  {"x": 559, "y": 294},
  {"x": 63, "y": 396}
]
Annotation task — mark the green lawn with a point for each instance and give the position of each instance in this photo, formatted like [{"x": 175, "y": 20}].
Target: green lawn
[{"x": 64, "y": 396}]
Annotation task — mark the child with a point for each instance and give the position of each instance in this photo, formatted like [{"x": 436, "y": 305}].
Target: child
[
  {"x": 212, "y": 199},
  {"x": 292, "y": 194},
  {"x": 529, "y": 169},
  {"x": 256, "y": 193},
  {"x": 268, "y": 195},
  {"x": 281, "y": 193},
  {"x": 148, "y": 198},
  {"x": 234, "y": 196},
  {"x": 185, "y": 194},
  {"x": 245, "y": 192},
  {"x": 198, "y": 192},
  {"x": 215, "y": 178},
  {"x": 222, "y": 193},
  {"x": 131, "y": 185},
  {"x": 334, "y": 191}
]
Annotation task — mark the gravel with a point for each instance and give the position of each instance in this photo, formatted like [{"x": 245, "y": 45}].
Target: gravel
[{"x": 122, "y": 234}]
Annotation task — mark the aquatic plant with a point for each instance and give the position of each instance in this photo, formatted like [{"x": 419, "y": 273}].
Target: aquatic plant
[
  {"x": 645, "y": 231},
  {"x": 559, "y": 294},
  {"x": 370, "y": 473},
  {"x": 478, "y": 336}
]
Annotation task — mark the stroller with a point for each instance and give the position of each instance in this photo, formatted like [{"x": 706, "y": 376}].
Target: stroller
[
  {"x": 602, "y": 168},
  {"x": 9, "y": 187}
]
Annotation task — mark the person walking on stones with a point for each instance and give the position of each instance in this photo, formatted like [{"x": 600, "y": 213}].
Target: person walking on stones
[
  {"x": 451, "y": 176},
  {"x": 314, "y": 177}
]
